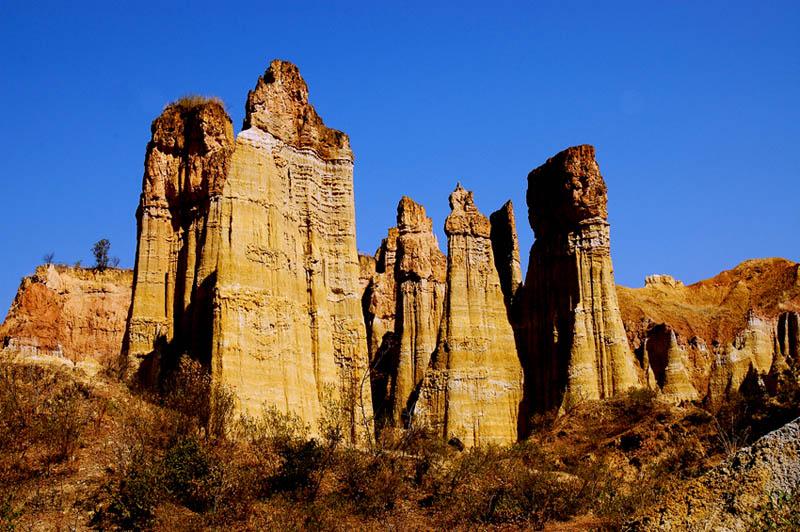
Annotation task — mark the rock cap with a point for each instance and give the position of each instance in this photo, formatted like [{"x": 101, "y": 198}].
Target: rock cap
[{"x": 566, "y": 190}]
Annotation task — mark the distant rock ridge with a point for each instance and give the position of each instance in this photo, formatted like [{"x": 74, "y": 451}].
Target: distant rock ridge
[
  {"x": 741, "y": 322},
  {"x": 74, "y": 316}
]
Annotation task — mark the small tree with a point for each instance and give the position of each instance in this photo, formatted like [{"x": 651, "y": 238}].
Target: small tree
[
  {"x": 48, "y": 257},
  {"x": 100, "y": 252}
]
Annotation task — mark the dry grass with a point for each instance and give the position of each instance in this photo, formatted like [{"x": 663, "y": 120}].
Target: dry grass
[
  {"x": 79, "y": 455},
  {"x": 190, "y": 101}
]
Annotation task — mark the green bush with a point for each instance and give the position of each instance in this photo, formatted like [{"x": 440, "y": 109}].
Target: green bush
[
  {"x": 186, "y": 474},
  {"x": 372, "y": 483},
  {"x": 9, "y": 514},
  {"x": 134, "y": 498},
  {"x": 204, "y": 405},
  {"x": 780, "y": 514}
]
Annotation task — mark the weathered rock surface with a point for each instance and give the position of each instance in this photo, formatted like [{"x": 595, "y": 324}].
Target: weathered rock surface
[
  {"x": 742, "y": 318},
  {"x": 186, "y": 165},
  {"x": 668, "y": 363},
  {"x": 74, "y": 315},
  {"x": 722, "y": 499},
  {"x": 570, "y": 327},
  {"x": 406, "y": 302},
  {"x": 473, "y": 387},
  {"x": 247, "y": 256}
]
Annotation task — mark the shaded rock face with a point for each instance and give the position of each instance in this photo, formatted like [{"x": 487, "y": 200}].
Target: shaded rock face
[
  {"x": 742, "y": 320},
  {"x": 570, "y": 328},
  {"x": 406, "y": 299},
  {"x": 186, "y": 165},
  {"x": 505, "y": 246},
  {"x": 473, "y": 387},
  {"x": 724, "y": 498},
  {"x": 267, "y": 248},
  {"x": 69, "y": 315}
]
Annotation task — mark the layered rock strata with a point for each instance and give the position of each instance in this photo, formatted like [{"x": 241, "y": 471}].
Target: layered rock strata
[
  {"x": 406, "y": 299},
  {"x": 740, "y": 320},
  {"x": 266, "y": 242},
  {"x": 473, "y": 387},
  {"x": 570, "y": 327},
  {"x": 69, "y": 315},
  {"x": 186, "y": 167}
]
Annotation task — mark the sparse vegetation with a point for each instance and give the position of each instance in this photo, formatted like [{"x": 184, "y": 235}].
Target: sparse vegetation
[
  {"x": 190, "y": 101},
  {"x": 780, "y": 514},
  {"x": 101, "y": 259},
  {"x": 110, "y": 459}
]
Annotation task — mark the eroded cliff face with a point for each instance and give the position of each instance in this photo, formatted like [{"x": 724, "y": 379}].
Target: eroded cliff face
[
  {"x": 247, "y": 257},
  {"x": 186, "y": 166},
  {"x": 473, "y": 387},
  {"x": 570, "y": 328},
  {"x": 740, "y": 322},
  {"x": 69, "y": 315},
  {"x": 406, "y": 299}
]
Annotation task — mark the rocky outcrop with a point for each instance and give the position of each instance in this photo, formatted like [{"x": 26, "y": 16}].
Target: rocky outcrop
[
  {"x": 186, "y": 166},
  {"x": 724, "y": 498},
  {"x": 70, "y": 315},
  {"x": 473, "y": 387},
  {"x": 726, "y": 325},
  {"x": 406, "y": 298},
  {"x": 570, "y": 327},
  {"x": 247, "y": 257},
  {"x": 668, "y": 362}
]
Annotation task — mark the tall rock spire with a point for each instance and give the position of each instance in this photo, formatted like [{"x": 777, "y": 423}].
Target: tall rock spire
[
  {"x": 186, "y": 167},
  {"x": 406, "y": 299},
  {"x": 571, "y": 329},
  {"x": 473, "y": 387},
  {"x": 274, "y": 279}
]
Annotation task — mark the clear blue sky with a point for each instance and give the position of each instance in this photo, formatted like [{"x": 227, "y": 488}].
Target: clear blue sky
[{"x": 693, "y": 108}]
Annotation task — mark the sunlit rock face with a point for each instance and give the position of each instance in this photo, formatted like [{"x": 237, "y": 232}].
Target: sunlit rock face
[
  {"x": 406, "y": 299},
  {"x": 473, "y": 387},
  {"x": 74, "y": 316},
  {"x": 570, "y": 329},
  {"x": 186, "y": 168},
  {"x": 267, "y": 245}
]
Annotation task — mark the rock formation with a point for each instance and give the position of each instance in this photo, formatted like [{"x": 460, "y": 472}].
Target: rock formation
[
  {"x": 186, "y": 165},
  {"x": 406, "y": 300},
  {"x": 724, "y": 498},
  {"x": 248, "y": 250},
  {"x": 65, "y": 314},
  {"x": 570, "y": 329},
  {"x": 725, "y": 325},
  {"x": 668, "y": 362},
  {"x": 473, "y": 386}
]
